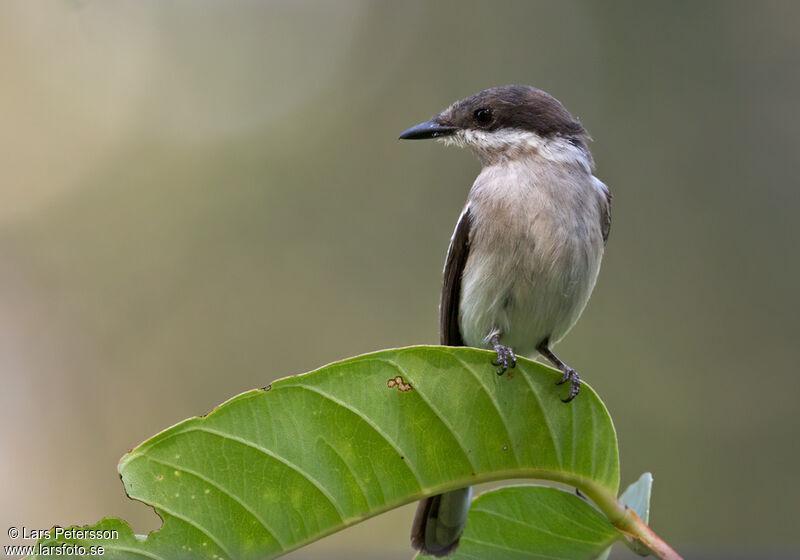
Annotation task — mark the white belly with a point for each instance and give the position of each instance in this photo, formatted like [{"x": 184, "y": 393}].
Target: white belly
[{"x": 535, "y": 251}]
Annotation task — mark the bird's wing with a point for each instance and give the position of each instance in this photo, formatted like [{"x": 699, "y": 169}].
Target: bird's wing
[
  {"x": 605, "y": 207},
  {"x": 449, "y": 333}
]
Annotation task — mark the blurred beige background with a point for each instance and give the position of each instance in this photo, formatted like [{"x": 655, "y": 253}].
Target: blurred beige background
[{"x": 199, "y": 197}]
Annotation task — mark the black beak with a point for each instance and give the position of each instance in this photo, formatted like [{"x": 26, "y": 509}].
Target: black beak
[{"x": 428, "y": 129}]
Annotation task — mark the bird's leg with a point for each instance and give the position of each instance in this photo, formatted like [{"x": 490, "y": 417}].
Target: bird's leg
[
  {"x": 505, "y": 355},
  {"x": 569, "y": 374}
]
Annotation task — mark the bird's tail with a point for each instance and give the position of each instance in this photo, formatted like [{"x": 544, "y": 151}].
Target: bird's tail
[{"x": 440, "y": 521}]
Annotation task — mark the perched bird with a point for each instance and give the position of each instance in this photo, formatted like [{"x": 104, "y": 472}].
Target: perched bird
[{"x": 526, "y": 250}]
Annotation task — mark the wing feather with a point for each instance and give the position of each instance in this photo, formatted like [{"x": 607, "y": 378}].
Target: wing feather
[
  {"x": 605, "y": 208},
  {"x": 449, "y": 332}
]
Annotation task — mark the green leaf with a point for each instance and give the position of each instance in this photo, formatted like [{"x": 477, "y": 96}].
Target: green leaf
[
  {"x": 274, "y": 469},
  {"x": 637, "y": 496},
  {"x": 534, "y": 523}
]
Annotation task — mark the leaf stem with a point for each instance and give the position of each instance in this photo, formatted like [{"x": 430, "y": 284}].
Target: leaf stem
[{"x": 628, "y": 522}]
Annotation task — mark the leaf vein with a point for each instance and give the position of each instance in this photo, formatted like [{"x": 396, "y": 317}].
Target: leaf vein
[
  {"x": 228, "y": 493},
  {"x": 550, "y": 431},
  {"x": 571, "y": 518},
  {"x": 317, "y": 484},
  {"x": 352, "y": 472},
  {"x": 194, "y": 524},
  {"x": 370, "y": 422},
  {"x": 538, "y": 528},
  {"x": 439, "y": 415},
  {"x": 496, "y": 405},
  {"x": 512, "y": 549}
]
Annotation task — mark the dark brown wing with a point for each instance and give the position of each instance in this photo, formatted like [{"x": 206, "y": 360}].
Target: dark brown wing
[
  {"x": 605, "y": 209},
  {"x": 429, "y": 534},
  {"x": 449, "y": 333}
]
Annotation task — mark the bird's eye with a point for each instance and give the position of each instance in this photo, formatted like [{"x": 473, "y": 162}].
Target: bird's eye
[{"x": 483, "y": 116}]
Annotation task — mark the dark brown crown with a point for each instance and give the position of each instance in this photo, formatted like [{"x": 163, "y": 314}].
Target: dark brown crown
[{"x": 514, "y": 107}]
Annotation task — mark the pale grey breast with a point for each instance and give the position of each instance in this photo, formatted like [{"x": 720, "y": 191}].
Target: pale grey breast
[{"x": 535, "y": 249}]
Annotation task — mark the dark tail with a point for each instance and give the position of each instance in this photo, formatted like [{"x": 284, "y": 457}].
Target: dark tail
[{"x": 440, "y": 521}]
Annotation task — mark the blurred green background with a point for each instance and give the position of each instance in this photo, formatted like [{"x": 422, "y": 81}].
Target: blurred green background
[{"x": 199, "y": 197}]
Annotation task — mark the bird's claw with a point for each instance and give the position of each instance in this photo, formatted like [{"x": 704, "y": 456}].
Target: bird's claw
[
  {"x": 574, "y": 383},
  {"x": 505, "y": 358}
]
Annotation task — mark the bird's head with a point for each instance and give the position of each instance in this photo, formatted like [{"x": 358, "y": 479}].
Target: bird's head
[{"x": 505, "y": 123}]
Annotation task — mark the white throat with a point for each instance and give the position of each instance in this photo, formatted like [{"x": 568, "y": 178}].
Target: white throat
[{"x": 504, "y": 144}]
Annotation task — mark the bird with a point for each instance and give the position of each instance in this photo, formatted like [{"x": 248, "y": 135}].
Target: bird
[{"x": 526, "y": 251}]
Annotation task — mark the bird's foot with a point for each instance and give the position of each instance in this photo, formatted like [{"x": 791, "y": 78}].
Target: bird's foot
[
  {"x": 574, "y": 383},
  {"x": 505, "y": 358}
]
